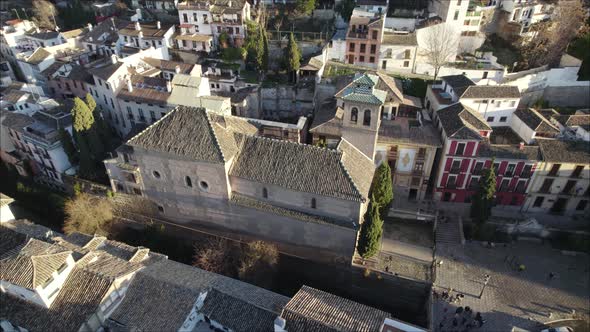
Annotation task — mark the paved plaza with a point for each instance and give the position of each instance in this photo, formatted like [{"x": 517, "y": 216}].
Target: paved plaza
[{"x": 512, "y": 298}]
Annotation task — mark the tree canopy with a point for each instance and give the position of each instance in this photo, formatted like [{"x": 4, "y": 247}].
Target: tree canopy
[
  {"x": 68, "y": 145},
  {"x": 88, "y": 214},
  {"x": 481, "y": 206},
  {"x": 371, "y": 231},
  {"x": 293, "y": 55},
  {"x": 43, "y": 14},
  {"x": 382, "y": 187},
  {"x": 82, "y": 115},
  {"x": 305, "y": 7}
]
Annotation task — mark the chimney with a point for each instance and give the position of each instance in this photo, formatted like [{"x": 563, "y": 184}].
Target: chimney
[
  {"x": 177, "y": 69},
  {"x": 229, "y": 3},
  {"x": 113, "y": 58},
  {"x": 137, "y": 26},
  {"x": 129, "y": 85},
  {"x": 168, "y": 86},
  {"x": 159, "y": 25},
  {"x": 89, "y": 26},
  {"x": 521, "y": 146},
  {"x": 140, "y": 35}
]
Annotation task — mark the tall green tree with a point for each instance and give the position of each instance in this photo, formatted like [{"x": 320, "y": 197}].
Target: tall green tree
[
  {"x": 371, "y": 231},
  {"x": 68, "y": 145},
  {"x": 483, "y": 200},
  {"x": 382, "y": 188},
  {"x": 293, "y": 56},
  {"x": 305, "y": 7},
  {"x": 90, "y": 102},
  {"x": 82, "y": 116},
  {"x": 254, "y": 44},
  {"x": 87, "y": 164},
  {"x": 346, "y": 8}
]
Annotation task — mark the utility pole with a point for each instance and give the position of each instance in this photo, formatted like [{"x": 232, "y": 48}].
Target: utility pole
[{"x": 486, "y": 279}]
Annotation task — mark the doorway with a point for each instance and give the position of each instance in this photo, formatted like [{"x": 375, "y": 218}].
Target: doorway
[
  {"x": 559, "y": 206},
  {"x": 413, "y": 194}
]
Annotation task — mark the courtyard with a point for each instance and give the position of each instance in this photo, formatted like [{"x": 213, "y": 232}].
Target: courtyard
[{"x": 513, "y": 298}]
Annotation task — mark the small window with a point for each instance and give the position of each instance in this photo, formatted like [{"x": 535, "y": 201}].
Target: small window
[
  {"x": 538, "y": 201},
  {"x": 367, "y": 118},
  {"x": 313, "y": 203},
  {"x": 513, "y": 103},
  {"x": 188, "y": 181},
  {"x": 160, "y": 208},
  {"x": 460, "y": 149},
  {"x": 406, "y": 64},
  {"x": 204, "y": 185},
  {"x": 62, "y": 268},
  {"x": 490, "y": 119},
  {"x": 354, "y": 113},
  {"x": 503, "y": 119},
  {"x": 264, "y": 193},
  {"x": 156, "y": 174}
]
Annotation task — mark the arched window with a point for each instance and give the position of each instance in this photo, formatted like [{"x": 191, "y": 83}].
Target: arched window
[
  {"x": 367, "y": 118},
  {"x": 313, "y": 203},
  {"x": 264, "y": 193},
  {"x": 354, "y": 114},
  {"x": 189, "y": 182}
]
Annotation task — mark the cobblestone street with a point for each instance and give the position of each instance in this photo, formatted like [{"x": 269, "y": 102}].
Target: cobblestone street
[{"x": 522, "y": 299}]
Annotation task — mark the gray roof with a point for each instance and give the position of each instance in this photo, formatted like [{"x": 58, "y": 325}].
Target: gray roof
[
  {"x": 10, "y": 241},
  {"x": 399, "y": 39},
  {"x": 314, "y": 310},
  {"x": 344, "y": 173},
  {"x": 105, "y": 69},
  {"x": 581, "y": 120},
  {"x": 491, "y": 91},
  {"x": 459, "y": 83},
  {"x": 187, "y": 132},
  {"x": 528, "y": 152},
  {"x": 45, "y": 35},
  {"x": 535, "y": 121},
  {"x": 107, "y": 29},
  {"x": 328, "y": 115},
  {"x": 236, "y": 314},
  {"x": 460, "y": 122},
  {"x": 148, "y": 304},
  {"x": 575, "y": 152},
  {"x": 38, "y": 56},
  {"x": 392, "y": 86},
  {"x": 400, "y": 131},
  {"x": 30, "y": 229},
  {"x": 33, "y": 264}
]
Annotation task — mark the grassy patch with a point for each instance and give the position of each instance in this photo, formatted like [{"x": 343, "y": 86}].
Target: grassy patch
[
  {"x": 415, "y": 87},
  {"x": 334, "y": 71}
]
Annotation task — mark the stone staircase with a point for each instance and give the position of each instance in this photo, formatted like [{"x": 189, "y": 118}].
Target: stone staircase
[{"x": 449, "y": 231}]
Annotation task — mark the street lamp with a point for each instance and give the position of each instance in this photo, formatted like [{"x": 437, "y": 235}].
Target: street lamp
[{"x": 486, "y": 279}]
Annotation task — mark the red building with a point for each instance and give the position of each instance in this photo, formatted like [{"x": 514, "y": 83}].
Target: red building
[{"x": 469, "y": 144}]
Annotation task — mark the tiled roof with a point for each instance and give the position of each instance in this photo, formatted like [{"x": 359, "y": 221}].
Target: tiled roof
[
  {"x": 362, "y": 89},
  {"x": 393, "y": 86},
  {"x": 564, "y": 151},
  {"x": 10, "y": 241},
  {"x": 399, "y": 39},
  {"x": 328, "y": 118},
  {"x": 106, "y": 69},
  {"x": 235, "y": 314},
  {"x": 582, "y": 120},
  {"x": 33, "y": 264},
  {"x": 45, "y": 35},
  {"x": 74, "y": 33},
  {"x": 194, "y": 37},
  {"x": 491, "y": 91},
  {"x": 459, "y": 83},
  {"x": 314, "y": 310},
  {"x": 185, "y": 68},
  {"x": 142, "y": 307},
  {"x": 149, "y": 30},
  {"x": 461, "y": 122},
  {"x": 188, "y": 132},
  {"x": 400, "y": 131},
  {"x": 78, "y": 299},
  {"x": 30, "y": 229},
  {"x": 226, "y": 6},
  {"x": 13, "y": 96},
  {"x": 151, "y": 304},
  {"x": 535, "y": 121},
  {"x": 344, "y": 173},
  {"x": 105, "y": 32},
  {"x": 528, "y": 152},
  {"x": 38, "y": 56}
]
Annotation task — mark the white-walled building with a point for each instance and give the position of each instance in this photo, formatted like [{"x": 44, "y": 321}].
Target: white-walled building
[
  {"x": 398, "y": 51},
  {"x": 12, "y": 37},
  {"x": 145, "y": 35}
]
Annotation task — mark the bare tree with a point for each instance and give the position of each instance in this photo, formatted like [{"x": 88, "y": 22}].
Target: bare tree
[
  {"x": 44, "y": 14},
  {"x": 217, "y": 255},
  {"x": 88, "y": 214},
  {"x": 440, "y": 44},
  {"x": 258, "y": 263}
]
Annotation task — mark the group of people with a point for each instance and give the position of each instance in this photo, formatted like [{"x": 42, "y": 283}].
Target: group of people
[
  {"x": 463, "y": 320},
  {"x": 448, "y": 296}
]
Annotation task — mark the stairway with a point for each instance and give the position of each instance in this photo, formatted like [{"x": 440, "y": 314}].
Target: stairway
[{"x": 449, "y": 231}]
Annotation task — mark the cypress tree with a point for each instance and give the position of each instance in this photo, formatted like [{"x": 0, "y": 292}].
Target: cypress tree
[
  {"x": 382, "y": 188},
  {"x": 371, "y": 231},
  {"x": 264, "y": 49},
  {"x": 481, "y": 206},
  {"x": 293, "y": 55},
  {"x": 87, "y": 164},
  {"x": 68, "y": 145}
]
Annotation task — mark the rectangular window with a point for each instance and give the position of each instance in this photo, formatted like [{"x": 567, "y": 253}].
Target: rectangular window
[
  {"x": 373, "y": 49},
  {"x": 351, "y": 47},
  {"x": 406, "y": 64},
  {"x": 362, "y": 58},
  {"x": 569, "y": 187},
  {"x": 521, "y": 187},
  {"x": 372, "y": 59},
  {"x": 526, "y": 171},
  {"x": 62, "y": 268},
  {"x": 538, "y": 201},
  {"x": 510, "y": 170},
  {"x": 185, "y": 18},
  {"x": 53, "y": 293},
  {"x": 513, "y": 103},
  {"x": 490, "y": 119},
  {"x": 504, "y": 185},
  {"x": 554, "y": 170},
  {"x": 474, "y": 184},
  {"x": 48, "y": 282},
  {"x": 363, "y": 48},
  {"x": 503, "y": 119},
  {"x": 546, "y": 187},
  {"x": 195, "y": 17},
  {"x": 456, "y": 17},
  {"x": 374, "y": 34},
  {"x": 466, "y": 22},
  {"x": 455, "y": 166},
  {"x": 460, "y": 149},
  {"x": 451, "y": 182},
  {"x": 477, "y": 169},
  {"x": 577, "y": 171},
  {"x": 407, "y": 54}
]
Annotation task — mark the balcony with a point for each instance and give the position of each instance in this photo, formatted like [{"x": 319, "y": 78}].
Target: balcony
[{"x": 359, "y": 34}]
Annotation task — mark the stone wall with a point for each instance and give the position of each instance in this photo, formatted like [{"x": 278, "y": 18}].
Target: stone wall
[
  {"x": 287, "y": 101},
  {"x": 566, "y": 96}
]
